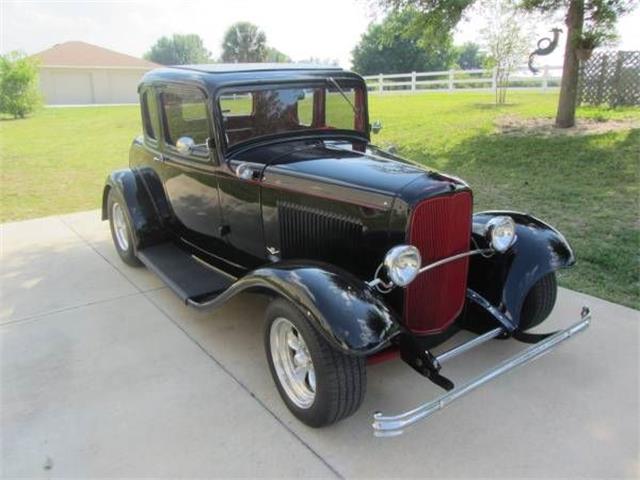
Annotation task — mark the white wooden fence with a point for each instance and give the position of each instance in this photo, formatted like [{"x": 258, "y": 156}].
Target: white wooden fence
[{"x": 451, "y": 80}]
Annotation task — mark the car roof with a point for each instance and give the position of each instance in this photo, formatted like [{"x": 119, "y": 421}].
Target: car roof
[
  {"x": 254, "y": 67},
  {"x": 218, "y": 75}
]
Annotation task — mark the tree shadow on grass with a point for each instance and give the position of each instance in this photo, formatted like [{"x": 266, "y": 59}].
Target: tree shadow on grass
[{"x": 587, "y": 186}]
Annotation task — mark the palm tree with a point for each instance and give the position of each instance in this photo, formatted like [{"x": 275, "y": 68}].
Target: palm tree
[{"x": 244, "y": 42}]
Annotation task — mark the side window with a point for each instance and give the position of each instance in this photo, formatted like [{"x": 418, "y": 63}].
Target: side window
[
  {"x": 147, "y": 124},
  {"x": 184, "y": 112}
]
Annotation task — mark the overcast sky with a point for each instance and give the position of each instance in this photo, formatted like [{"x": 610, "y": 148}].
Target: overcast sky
[{"x": 299, "y": 28}]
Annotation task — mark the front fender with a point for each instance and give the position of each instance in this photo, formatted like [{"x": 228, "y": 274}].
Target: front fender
[
  {"x": 146, "y": 227},
  {"x": 343, "y": 308},
  {"x": 505, "y": 279}
]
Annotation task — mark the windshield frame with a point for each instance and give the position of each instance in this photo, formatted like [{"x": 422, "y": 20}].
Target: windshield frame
[{"x": 319, "y": 82}]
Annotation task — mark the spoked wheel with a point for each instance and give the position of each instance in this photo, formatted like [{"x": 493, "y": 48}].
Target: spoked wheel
[
  {"x": 319, "y": 384},
  {"x": 120, "y": 227},
  {"x": 120, "y": 230},
  {"x": 292, "y": 363}
]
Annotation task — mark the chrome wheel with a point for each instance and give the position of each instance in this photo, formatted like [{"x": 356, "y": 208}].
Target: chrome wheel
[
  {"x": 292, "y": 362},
  {"x": 120, "y": 226}
]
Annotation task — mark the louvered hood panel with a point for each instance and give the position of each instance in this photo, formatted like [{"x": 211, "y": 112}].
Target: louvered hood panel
[{"x": 317, "y": 234}]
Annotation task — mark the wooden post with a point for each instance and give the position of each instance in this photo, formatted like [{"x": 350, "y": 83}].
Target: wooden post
[
  {"x": 494, "y": 78},
  {"x": 545, "y": 78},
  {"x": 413, "y": 81},
  {"x": 451, "y": 73},
  {"x": 380, "y": 82},
  {"x": 616, "y": 97}
]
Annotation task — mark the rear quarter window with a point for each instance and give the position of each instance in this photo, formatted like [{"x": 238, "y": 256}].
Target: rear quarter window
[{"x": 147, "y": 124}]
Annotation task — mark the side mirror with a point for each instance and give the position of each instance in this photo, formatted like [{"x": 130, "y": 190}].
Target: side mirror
[
  {"x": 376, "y": 127},
  {"x": 185, "y": 145}
]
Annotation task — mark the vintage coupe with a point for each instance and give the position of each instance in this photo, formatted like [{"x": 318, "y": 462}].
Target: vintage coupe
[{"x": 262, "y": 178}]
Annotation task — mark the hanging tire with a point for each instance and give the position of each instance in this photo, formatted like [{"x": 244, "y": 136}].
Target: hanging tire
[
  {"x": 539, "y": 302},
  {"x": 319, "y": 384},
  {"x": 120, "y": 225}
]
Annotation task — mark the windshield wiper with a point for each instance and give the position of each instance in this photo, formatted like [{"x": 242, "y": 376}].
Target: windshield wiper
[{"x": 333, "y": 82}]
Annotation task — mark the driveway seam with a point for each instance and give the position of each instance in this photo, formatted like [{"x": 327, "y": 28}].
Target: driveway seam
[
  {"x": 246, "y": 389},
  {"x": 39, "y": 316},
  {"x": 211, "y": 357}
]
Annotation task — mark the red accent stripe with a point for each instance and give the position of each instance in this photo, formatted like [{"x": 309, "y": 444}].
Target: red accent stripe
[{"x": 440, "y": 227}]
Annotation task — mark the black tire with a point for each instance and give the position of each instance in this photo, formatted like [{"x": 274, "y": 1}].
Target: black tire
[
  {"x": 128, "y": 254},
  {"x": 539, "y": 302},
  {"x": 340, "y": 379}
]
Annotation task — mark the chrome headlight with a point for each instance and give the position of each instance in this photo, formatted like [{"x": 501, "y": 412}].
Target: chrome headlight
[
  {"x": 403, "y": 264},
  {"x": 501, "y": 233}
]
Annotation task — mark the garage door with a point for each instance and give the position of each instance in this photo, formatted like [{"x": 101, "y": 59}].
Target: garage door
[
  {"x": 71, "y": 88},
  {"x": 123, "y": 86}
]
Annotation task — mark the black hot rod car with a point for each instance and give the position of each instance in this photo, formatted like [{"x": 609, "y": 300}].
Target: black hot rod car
[{"x": 262, "y": 178}]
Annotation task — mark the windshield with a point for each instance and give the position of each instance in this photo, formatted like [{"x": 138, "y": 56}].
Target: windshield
[{"x": 250, "y": 113}]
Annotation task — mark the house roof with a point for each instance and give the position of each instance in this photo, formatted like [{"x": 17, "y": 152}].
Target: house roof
[{"x": 81, "y": 54}]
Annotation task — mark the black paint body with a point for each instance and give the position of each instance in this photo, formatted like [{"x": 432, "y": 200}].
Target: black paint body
[{"x": 315, "y": 219}]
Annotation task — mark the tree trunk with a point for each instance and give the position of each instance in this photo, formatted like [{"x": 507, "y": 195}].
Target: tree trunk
[{"x": 566, "y": 116}]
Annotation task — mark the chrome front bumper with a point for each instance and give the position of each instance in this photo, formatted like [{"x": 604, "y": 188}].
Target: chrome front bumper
[{"x": 392, "y": 425}]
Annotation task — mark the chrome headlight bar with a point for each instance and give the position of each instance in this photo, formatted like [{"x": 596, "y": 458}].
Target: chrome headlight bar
[{"x": 402, "y": 263}]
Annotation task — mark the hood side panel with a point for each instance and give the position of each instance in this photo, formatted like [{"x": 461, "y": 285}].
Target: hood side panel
[{"x": 305, "y": 226}]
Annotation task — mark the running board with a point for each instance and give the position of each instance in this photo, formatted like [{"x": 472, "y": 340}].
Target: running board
[
  {"x": 387, "y": 426},
  {"x": 187, "y": 275}
]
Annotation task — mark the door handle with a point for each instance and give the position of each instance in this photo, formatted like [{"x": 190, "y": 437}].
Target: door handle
[{"x": 158, "y": 159}]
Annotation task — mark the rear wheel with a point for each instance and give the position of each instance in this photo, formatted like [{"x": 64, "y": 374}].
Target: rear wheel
[
  {"x": 319, "y": 384},
  {"x": 539, "y": 302},
  {"x": 120, "y": 229}
]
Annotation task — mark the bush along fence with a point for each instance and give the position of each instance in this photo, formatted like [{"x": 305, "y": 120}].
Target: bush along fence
[
  {"x": 452, "y": 80},
  {"x": 611, "y": 78}
]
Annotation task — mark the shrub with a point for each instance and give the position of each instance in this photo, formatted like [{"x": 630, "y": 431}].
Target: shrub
[{"x": 19, "y": 93}]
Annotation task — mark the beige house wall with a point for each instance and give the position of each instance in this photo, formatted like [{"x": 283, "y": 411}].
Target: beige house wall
[{"x": 81, "y": 86}]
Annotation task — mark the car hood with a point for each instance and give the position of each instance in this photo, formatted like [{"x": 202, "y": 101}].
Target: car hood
[{"x": 349, "y": 165}]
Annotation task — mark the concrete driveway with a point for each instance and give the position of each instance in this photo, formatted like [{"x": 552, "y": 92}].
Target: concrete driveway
[{"x": 106, "y": 373}]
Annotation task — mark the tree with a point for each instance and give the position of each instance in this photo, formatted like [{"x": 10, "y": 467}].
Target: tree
[
  {"x": 388, "y": 48},
  {"x": 589, "y": 24},
  {"x": 276, "y": 56},
  {"x": 179, "y": 50},
  {"x": 598, "y": 16},
  {"x": 244, "y": 42},
  {"x": 470, "y": 56},
  {"x": 19, "y": 93},
  {"x": 507, "y": 39}
]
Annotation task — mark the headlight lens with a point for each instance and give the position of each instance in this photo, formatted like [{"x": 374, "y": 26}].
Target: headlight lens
[
  {"x": 501, "y": 233},
  {"x": 403, "y": 264}
]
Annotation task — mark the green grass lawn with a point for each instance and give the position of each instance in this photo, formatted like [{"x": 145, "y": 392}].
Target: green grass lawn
[{"x": 588, "y": 186}]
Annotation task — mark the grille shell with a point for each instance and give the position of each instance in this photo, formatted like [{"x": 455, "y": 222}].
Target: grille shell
[{"x": 439, "y": 227}]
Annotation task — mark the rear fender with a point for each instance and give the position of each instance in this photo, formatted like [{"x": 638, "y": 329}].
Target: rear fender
[
  {"x": 343, "y": 308},
  {"x": 505, "y": 279},
  {"x": 146, "y": 226}
]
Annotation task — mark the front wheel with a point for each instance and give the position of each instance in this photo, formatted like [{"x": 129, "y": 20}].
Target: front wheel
[
  {"x": 539, "y": 302},
  {"x": 319, "y": 384}
]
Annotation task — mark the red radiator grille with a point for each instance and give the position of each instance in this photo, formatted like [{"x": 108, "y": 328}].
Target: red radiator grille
[{"x": 440, "y": 227}]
